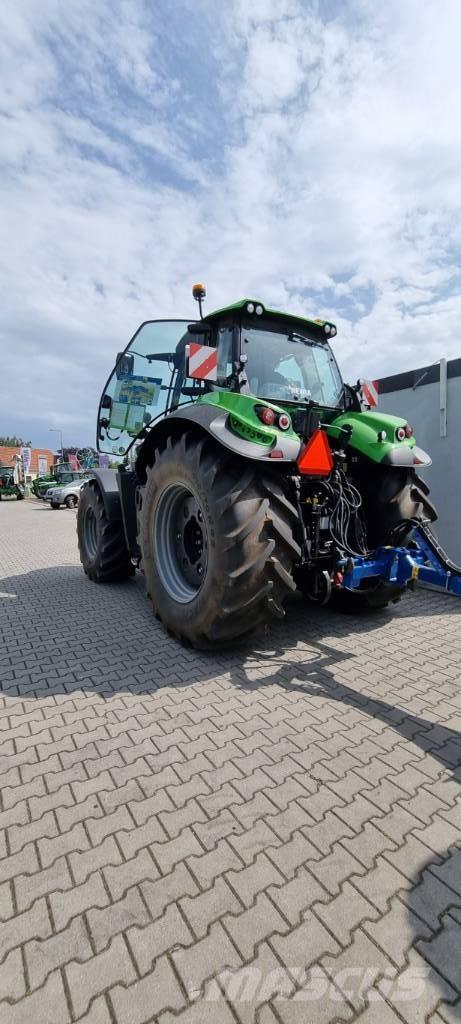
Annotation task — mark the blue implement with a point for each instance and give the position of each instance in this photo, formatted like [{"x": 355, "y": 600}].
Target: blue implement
[{"x": 424, "y": 560}]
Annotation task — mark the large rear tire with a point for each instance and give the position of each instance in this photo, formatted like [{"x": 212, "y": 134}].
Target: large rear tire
[
  {"x": 394, "y": 500},
  {"x": 216, "y": 536},
  {"x": 101, "y": 541}
]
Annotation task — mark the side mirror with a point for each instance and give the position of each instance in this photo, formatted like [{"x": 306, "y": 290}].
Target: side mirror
[{"x": 200, "y": 328}]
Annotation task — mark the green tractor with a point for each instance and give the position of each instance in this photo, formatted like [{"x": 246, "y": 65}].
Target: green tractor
[
  {"x": 62, "y": 475},
  {"x": 250, "y": 470},
  {"x": 9, "y": 486}
]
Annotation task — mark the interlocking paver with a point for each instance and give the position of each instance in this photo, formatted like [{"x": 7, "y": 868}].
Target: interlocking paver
[
  {"x": 122, "y": 877},
  {"x": 48, "y": 1004},
  {"x": 168, "y": 932},
  {"x": 157, "y": 991},
  {"x": 44, "y": 956},
  {"x": 12, "y": 977},
  {"x": 33, "y": 922},
  {"x": 108, "y": 921},
  {"x": 92, "y": 977},
  {"x": 168, "y": 889},
  {"x": 188, "y": 817},
  {"x": 51, "y": 849},
  {"x": 206, "y": 958},
  {"x": 90, "y": 894}
]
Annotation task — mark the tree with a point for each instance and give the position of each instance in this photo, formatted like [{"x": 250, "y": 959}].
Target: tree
[{"x": 14, "y": 442}]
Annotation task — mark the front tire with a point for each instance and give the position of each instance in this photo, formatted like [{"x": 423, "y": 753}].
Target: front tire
[
  {"x": 71, "y": 501},
  {"x": 101, "y": 541},
  {"x": 217, "y": 543}
]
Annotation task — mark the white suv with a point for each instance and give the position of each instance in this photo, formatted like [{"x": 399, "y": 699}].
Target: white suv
[{"x": 67, "y": 495}]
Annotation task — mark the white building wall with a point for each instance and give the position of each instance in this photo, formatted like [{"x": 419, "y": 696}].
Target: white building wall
[{"x": 421, "y": 407}]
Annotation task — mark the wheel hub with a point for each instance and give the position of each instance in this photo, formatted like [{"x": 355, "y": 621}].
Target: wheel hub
[{"x": 180, "y": 543}]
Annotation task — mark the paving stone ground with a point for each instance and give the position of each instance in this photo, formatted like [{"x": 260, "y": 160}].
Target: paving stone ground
[{"x": 269, "y": 835}]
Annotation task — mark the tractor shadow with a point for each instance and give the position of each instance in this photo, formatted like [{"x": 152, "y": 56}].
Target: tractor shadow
[{"x": 63, "y": 634}]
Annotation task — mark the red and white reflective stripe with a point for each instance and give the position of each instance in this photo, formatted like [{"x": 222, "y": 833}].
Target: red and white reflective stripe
[
  {"x": 203, "y": 362},
  {"x": 370, "y": 392}
]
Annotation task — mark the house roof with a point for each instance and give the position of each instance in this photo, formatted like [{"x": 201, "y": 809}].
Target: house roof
[{"x": 7, "y": 455}]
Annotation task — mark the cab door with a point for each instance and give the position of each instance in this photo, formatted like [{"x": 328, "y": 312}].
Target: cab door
[{"x": 141, "y": 386}]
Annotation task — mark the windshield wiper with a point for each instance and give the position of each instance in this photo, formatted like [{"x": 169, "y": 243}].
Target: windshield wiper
[{"x": 299, "y": 337}]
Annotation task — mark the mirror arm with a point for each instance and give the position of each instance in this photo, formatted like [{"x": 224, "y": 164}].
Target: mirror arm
[{"x": 162, "y": 357}]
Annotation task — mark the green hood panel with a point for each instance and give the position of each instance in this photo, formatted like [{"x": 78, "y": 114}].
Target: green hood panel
[
  {"x": 244, "y": 421},
  {"x": 365, "y": 429},
  {"x": 365, "y": 425}
]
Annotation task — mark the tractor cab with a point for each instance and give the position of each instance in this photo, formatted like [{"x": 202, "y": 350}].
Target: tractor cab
[
  {"x": 280, "y": 358},
  {"x": 243, "y": 349}
]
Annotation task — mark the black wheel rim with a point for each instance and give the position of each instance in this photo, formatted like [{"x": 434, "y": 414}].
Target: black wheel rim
[
  {"x": 90, "y": 532},
  {"x": 180, "y": 543}
]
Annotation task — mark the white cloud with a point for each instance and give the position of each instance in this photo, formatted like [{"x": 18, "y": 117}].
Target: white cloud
[{"x": 307, "y": 153}]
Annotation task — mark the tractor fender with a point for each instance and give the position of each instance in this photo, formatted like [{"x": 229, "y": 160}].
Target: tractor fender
[
  {"x": 215, "y": 422},
  {"x": 106, "y": 480}
]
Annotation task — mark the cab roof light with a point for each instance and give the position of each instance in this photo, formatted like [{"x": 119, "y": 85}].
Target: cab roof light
[
  {"x": 255, "y": 307},
  {"x": 316, "y": 459}
]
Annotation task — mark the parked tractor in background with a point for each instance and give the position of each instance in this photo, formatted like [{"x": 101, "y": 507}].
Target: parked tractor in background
[
  {"x": 11, "y": 483},
  {"x": 62, "y": 475},
  {"x": 255, "y": 470}
]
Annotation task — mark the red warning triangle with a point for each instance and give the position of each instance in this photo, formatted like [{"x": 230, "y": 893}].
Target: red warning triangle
[{"x": 316, "y": 458}]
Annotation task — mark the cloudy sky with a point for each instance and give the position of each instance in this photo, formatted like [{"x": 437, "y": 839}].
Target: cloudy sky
[{"x": 307, "y": 153}]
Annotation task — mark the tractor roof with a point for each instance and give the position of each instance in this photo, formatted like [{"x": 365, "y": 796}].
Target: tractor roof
[{"x": 317, "y": 327}]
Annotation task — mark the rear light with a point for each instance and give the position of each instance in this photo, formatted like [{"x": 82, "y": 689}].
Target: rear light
[
  {"x": 408, "y": 430},
  {"x": 400, "y": 433},
  {"x": 266, "y": 415},
  {"x": 276, "y": 454},
  {"x": 272, "y": 418}
]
